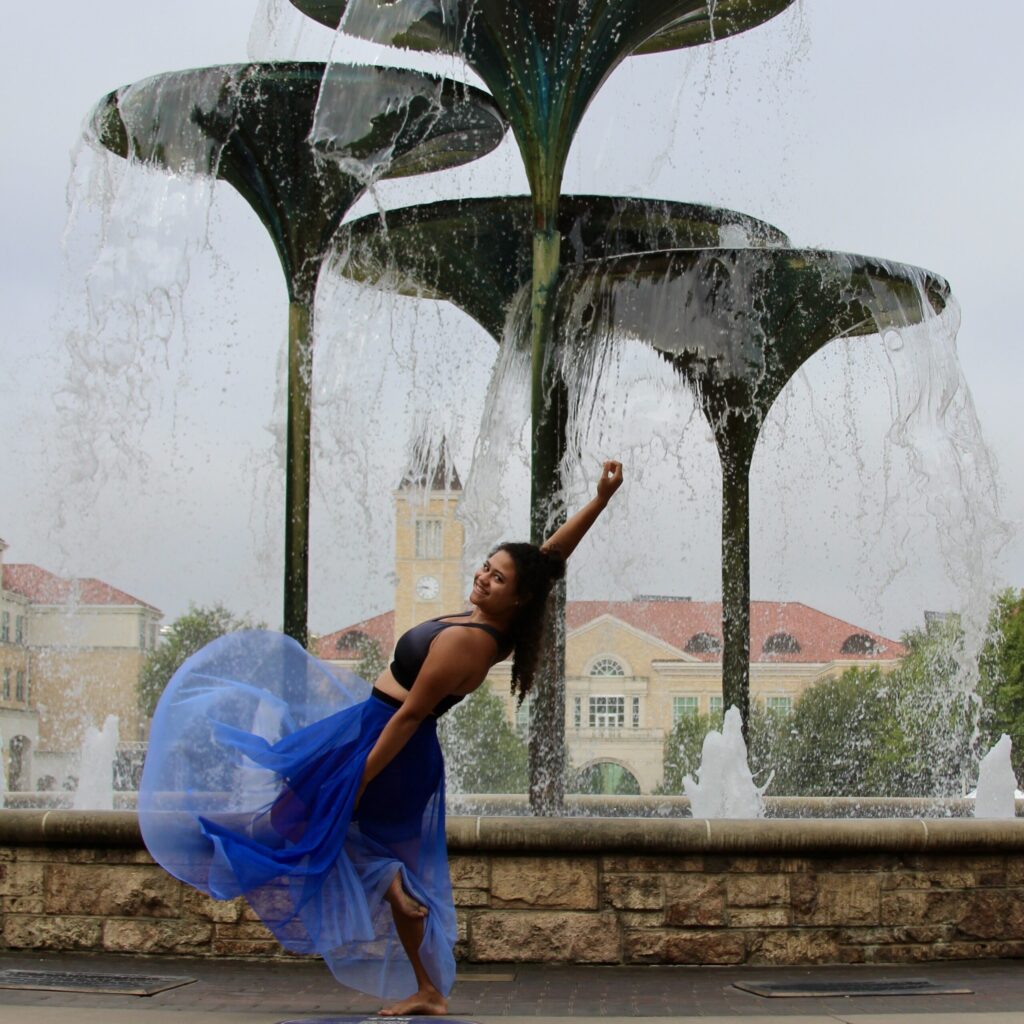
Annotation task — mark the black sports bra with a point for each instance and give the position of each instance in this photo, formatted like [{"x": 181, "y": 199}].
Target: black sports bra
[{"x": 413, "y": 645}]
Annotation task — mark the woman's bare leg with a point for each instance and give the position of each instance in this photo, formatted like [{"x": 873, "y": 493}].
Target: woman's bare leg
[{"x": 409, "y": 915}]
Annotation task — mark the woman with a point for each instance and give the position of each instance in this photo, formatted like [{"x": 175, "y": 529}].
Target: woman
[{"x": 270, "y": 777}]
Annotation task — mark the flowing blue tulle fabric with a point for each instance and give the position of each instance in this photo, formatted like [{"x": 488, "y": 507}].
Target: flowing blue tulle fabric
[{"x": 255, "y": 757}]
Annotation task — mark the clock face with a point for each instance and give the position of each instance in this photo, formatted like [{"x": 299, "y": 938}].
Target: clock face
[{"x": 427, "y": 588}]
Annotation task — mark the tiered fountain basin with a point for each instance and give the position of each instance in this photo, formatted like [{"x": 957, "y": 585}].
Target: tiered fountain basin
[{"x": 582, "y": 890}]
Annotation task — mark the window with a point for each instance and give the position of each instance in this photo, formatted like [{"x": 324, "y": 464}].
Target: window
[
  {"x": 7, "y": 684},
  {"x": 715, "y": 705},
  {"x": 5, "y": 627},
  {"x": 684, "y": 707},
  {"x": 636, "y": 712},
  {"x": 860, "y": 643},
  {"x": 142, "y": 634},
  {"x": 607, "y": 667},
  {"x": 19, "y": 693},
  {"x": 19, "y": 629},
  {"x": 607, "y": 712},
  {"x": 429, "y": 538},
  {"x": 781, "y": 643},
  {"x": 152, "y": 637},
  {"x": 703, "y": 643},
  {"x": 524, "y": 716},
  {"x": 577, "y": 712},
  {"x": 779, "y": 705}
]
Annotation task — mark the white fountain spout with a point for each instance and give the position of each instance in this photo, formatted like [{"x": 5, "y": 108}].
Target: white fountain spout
[
  {"x": 996, "y": 783},
  {"x": 725, "y": 786},
  {"x": 96, "y": 767}
]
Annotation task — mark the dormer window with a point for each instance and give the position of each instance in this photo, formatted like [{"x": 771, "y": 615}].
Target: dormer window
[
  {"x": 703, "y": 643},
  {"x": 781, "y": 643},
  {"x": 860, "y": 644}
]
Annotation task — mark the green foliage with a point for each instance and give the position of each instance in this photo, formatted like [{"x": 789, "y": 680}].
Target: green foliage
[
  {"x": 186, "y": 635},
  {"x": 371, "y": 662},
  {"x": 1001, "y": 682},
  {"x": 482, "y": 751}
]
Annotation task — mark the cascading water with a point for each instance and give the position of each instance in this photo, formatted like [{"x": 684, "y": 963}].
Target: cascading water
[
  {"x": 997, "y": 786},
  {"x": 96, "y": 767}
]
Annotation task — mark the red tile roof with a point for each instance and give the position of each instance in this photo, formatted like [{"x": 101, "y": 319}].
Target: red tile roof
[
  {"x": 380, "y": 628},
  {"x": 43, "y": 587},
  {"x": 820, "y": 636}
]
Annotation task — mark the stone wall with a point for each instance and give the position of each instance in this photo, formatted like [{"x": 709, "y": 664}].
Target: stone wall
[{"x": 602, "y": 891}]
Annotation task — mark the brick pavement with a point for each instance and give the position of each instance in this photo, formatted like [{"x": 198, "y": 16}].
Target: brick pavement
[{"x": 265, "y": 993}]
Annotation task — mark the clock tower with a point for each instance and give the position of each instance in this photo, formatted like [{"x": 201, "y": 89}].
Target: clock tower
[{"x": 428, "y": 545}]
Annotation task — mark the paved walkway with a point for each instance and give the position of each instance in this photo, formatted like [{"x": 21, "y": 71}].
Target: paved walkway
[{"x": 235, "y": 992}]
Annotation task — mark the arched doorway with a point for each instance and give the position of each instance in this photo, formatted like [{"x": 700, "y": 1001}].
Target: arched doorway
[
  {"x": 19, "y": 771},
  {"x": 608, "y": 778}
]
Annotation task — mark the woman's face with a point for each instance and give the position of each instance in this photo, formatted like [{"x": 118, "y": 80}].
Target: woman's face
[{"x": 494, "y": 585}]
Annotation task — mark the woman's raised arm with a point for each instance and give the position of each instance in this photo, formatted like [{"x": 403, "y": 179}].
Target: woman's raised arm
[{"x": 567, "y": 537}]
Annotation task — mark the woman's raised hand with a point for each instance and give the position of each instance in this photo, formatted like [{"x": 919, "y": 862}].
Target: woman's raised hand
[{"x": 610, "y": 480}]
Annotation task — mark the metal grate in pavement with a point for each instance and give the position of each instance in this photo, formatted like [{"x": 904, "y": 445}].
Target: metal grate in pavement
[
  {"x": 371, "y": 1020},
  {"x": 99, "y": 984},
  {"x": 846, "y": 987}
]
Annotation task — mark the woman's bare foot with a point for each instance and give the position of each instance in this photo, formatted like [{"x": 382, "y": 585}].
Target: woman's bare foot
[
  {"x": 401, "y": 902},
  {"x": 426, "y": 1002}
]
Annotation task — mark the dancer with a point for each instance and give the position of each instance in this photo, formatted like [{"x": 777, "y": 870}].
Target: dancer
[{"x": 320, "y": 799}]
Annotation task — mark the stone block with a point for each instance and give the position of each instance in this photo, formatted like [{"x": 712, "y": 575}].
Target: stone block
[
  {"x": 528, "y": 936},
  {"x": 641, "y": 918},
  {"x": 52, "y": 933},
  {"x": 757, "y": 890},
  {"x": 803, "y": 946},
  {"x": 918, "y": 906},
  {"x": 991, "y": 914},
  {"x": 112, "y": 891},
  {"x": 634, "y": 892},
  {"x": 961, "y": 879},
  {"x": 249, "y": 930},
  {"x": 247, "y": 947},
  {"x": 759, "y": 917},
  {"x": 22, "y": 905},
  {"x": 471, "y": 897},
  {"x": 469, "y": 872},
  {"x": 895, "y": 935},
  {"x": 695, "y": 900},
  {"x": 199, "y": 905},
  {"x": 684, "y": 947},
  {"x": 186, "y": 937},
  {"x": 652, "y": 865},
  {"x": 840, "y": 899},
  {"x": 21, "y": 879},
  {"x": 544, "y": 882}
]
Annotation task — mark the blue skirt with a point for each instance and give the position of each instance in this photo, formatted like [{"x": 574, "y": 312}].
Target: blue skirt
[{"x": 255, "y": 758}]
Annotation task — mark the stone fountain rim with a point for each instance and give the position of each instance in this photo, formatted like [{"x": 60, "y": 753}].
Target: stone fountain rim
[{"x": 636, "y": 836}]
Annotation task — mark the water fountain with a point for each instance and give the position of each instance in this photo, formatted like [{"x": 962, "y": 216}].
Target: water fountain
[
  {"x": 997, "y": 786},
  {"x": 722, "y": 298},
  {"x": 543, "y": 64},
  {"x": 724, "y": 786},
  {"x": 251, "y": 125},
  {"x": 96, "y": 767}
]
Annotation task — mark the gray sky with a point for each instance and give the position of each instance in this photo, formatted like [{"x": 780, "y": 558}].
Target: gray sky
[{"x": 140, "y": 431}]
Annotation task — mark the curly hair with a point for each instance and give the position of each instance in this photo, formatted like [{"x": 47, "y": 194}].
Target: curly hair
[{"x": 537, "y": 571}]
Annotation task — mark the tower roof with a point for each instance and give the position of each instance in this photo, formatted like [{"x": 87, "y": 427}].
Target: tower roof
[{"x": 428, "y": 471}]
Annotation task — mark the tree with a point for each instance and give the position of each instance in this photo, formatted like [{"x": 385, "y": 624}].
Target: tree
[
  {"x": 1001, "y": 671},
  {"x": 483, "y": 752},
  {"x": 681, "y": 752},
  {"x": 186, "y": 635}
]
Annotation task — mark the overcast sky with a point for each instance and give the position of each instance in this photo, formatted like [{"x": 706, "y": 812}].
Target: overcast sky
[{"x": 139, "y": 412}]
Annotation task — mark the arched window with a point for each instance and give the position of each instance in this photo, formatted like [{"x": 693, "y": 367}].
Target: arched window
[
  {"x": 860, "y": 643},
  {"x": 703, "y": 643},
  {"x": 607, "y": 667},
  {"x": 354, "y": 638},
  {"x": 781, "y": 643}
]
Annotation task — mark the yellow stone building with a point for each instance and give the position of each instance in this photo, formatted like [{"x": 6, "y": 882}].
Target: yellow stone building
[
  {"x": 633, "y": 668},
  {"x": 71, "y": 651}
]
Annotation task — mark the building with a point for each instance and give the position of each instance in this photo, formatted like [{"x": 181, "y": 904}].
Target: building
[
  {"x": 633, "y": 668},
  {"x": 71, "y": 651}
]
